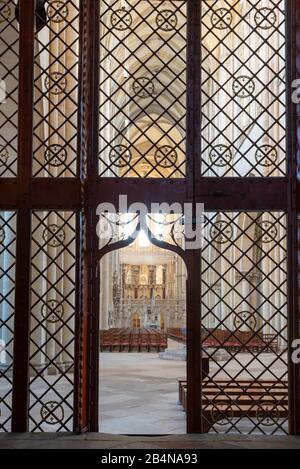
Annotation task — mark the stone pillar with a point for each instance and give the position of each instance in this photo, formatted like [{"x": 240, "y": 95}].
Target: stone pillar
[
  {"x": 39, "y": 307},
  {"x": 7, "y": 288}
]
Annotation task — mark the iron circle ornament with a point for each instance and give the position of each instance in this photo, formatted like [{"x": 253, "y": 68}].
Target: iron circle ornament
[
  {"x": 266, "y": 156},
  {"x": 52, "y": 413},
  {"x": 5, "y": 11},
  {"x": 267, "y": 413},
  {"x": 55, "y": 155},
  {"x": 120, "y": 156},
  {"x": 4, "y": 155},
  {"x": 56, "y": 83},
  {"x": 166, "y": 156},
  {"x": 52, "y": 311},
  {"x": 243, "y": 86},
  {"x": 54, "y": 235},
  {"x": 221, "y": 18},
  {"x": 265, "y": 18},
  {"x": 2, "y": 235},
  {"x": 220, "y": 156},
  {"x": 143, "y": 87},
  {"x": 245, "y": 320},
  {"x": 222, "y": 414},
  {"x": 57, "y": 11},
  {"x": 166, "y": 20},
  {"x": 268, "y": 231},
  {"x": 221, "y": 232},
  {"x": 121, "y": 19}
]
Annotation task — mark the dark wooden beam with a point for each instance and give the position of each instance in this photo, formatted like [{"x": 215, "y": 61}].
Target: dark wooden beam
[
  {"x": 243, "y": 194},
  {"x": 216, "y": 193},
  {"x": 89, "y": 170},
  {"x": 20, "y": 399},
  {"x": 8, "y": 194},
  {"x": 193, "y": 156},
  {"x": 293, "y": 153},
  {"x": 56, "y": 194}
]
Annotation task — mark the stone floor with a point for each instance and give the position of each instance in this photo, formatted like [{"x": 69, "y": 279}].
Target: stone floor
[
  {"x": 114, "y": 442},
  {"x": 139, "y": 394}
]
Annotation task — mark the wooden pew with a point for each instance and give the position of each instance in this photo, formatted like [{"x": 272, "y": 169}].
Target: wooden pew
[
  {"x": 183, "y": 383},
  {"x": 144, "y": 340},
  {"x": 232, "y": 341},
  {"x": 224, "y": 400},
  {"x": 124, "y": 345},
  {"x": 176, "y": 333},
  {"x": 132, "y": 340}
]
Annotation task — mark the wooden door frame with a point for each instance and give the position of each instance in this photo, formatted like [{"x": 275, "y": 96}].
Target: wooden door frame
[
  {"x": 95, "y": 333},
  {"x": 217, "y": 194}
]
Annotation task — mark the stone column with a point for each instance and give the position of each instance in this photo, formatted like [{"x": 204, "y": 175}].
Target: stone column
[
  {"x": 39, "y": 307},
  {"x": 7, "y": 288}
]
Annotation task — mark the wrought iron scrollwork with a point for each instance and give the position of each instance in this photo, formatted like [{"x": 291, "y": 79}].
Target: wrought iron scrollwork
[
  {"x": 245, "y": 320},
  {"x": 243, "y": 87},
  {"x": 221, "y": 18},
  {"x": 221, "y": 232},
  {"x": 121, "y": 19},
  {"x": 120, "y": 156},
  {"x": 57, "y": 11},
  {"x": 56, "y": 83},
  {"x": 55, "y": 155},
  {"x": 265, "y": 18},
  {"x": 268, "y": 413},
  {"x": 143, "y": 87},
  {"x": 220, "y": 156},
  {"x": 54, "y": 235},
  {"x": 167, "y": 20},
  {"x": 166, "y": 156},
  {"x": 268, "y": 231},
  {"x": 266, "y": 155},
  {"x": 52, "y": 413},
  {"x": 52, "y": 311}
]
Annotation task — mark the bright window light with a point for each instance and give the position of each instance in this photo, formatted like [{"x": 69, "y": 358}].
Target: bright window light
[{"x": 143, "y": 240}]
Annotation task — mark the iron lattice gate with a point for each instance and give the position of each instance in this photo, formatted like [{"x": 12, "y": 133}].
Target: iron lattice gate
[{"x": 194, "y": 107}]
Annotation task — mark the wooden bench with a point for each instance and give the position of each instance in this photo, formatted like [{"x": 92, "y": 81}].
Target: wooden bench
[
  {"x": 183, "y": 383},
  {"x": 144, "y": 341},
  {"x": 177, "y": 334},
  {"x": 232, "y": 341},
  {"x": 222, "y": 401},
  {"x": 235, "y": 341},
  {"x": 133, "y": 340}
]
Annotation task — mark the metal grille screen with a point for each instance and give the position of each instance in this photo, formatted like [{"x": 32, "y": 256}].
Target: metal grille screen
[
  {"x": 9, "y": 73},
  {"x": 7, "y": 307},
  {"x": 142, "y": 88},
  {"x": 244, "y": 320},
  {"x": 53, "y": 285},
  {"x": 56, "y": 89},
  {"x": 243, "y": 88}
]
